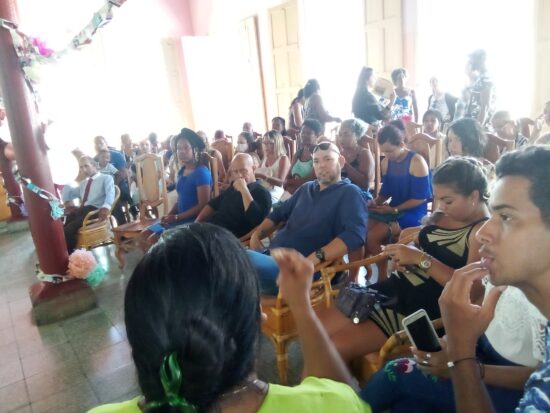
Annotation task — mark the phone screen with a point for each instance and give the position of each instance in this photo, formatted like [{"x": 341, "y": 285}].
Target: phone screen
[{"x": 423, "y": 335}]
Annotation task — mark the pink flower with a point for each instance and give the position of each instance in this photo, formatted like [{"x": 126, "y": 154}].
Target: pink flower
[
  {"x": 81, "y": 262},
  {"x": 42, "y": 48}
]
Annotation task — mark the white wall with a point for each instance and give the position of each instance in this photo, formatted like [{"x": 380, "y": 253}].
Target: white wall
[
  {"x": 448, "y": 31},
  {"x": 331, "y": 42},
  {"x": 129, "y": 79}
]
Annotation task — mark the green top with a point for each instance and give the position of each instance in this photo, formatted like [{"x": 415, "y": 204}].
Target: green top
[
  {"x": 302, "y": 169},
  {"x": 312, "y": 395}
]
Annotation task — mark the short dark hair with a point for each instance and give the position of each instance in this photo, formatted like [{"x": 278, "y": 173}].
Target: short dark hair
[
  {"x": 196, "y": 294},
  {"x": 477, "y": 60},
  {"x": 398, "y": 72},
  {"x": 311, "y": 87},
  {"x": 314, "y": 125},
  {"x": 391, "y": 134},
  {"x": 364, "y": 76},
  {"x": 532, "y": 163},
  {"x": 464, "y": 174},
  {"x": 435, "y": 113},
  {"x": 471, "y": 136}
]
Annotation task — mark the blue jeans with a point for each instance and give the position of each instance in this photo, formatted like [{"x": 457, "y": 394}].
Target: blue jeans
[{"x": 267, "y": 270}]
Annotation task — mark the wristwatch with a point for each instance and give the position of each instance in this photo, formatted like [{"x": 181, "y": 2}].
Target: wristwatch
[
  {"x": 425, "y": 261},
  {"x": 320, "y": 254}
]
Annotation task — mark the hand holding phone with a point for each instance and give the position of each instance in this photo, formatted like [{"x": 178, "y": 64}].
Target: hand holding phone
[{"x": 421, "y": 332}]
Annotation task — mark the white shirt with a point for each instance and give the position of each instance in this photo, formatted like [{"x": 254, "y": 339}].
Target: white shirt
[{"x": 101, "y": 194}]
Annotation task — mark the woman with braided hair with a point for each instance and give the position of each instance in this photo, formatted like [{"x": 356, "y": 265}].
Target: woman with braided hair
[{"x": 192, "y": 313}]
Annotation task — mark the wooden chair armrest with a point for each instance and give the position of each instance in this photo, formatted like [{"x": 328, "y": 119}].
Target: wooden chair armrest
[
  {"x": 91, "y": 218},
  {"x": 424, "y": 138}
]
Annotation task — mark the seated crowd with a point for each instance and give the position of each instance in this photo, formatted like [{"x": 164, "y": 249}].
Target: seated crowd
[{"x": 466, "y": 185}]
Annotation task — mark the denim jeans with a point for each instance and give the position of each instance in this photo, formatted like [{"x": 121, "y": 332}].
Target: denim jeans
[{"x": 267, "y": 270}]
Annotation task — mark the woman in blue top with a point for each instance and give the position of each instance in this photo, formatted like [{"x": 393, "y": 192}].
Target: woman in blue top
[
  {"x": 193, "y": 183},
  {"x": 402, "y": 201}
]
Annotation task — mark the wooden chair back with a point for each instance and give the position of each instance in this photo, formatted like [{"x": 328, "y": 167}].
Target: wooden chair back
[
  {"x": 227, "y": 151},
  {"x": 412, "y": 128},
  {"x": 370, "y": 143},
  {"x": 151, "y": 183},
  {"x": 212, "y": 164},
  {"x": 422, "y": 144},
  {"x": 290, "y": 146},
  {"x": 496, "y": 146},
  {"x": 525, "y": 126}
]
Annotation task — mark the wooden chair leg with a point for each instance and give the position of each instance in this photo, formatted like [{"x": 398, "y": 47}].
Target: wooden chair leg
[
  {"x": 282, "y": 361},
  {"x": 119, "y": 252}
]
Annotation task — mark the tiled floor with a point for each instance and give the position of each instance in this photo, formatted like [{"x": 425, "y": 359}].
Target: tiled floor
[
  {"x": 73, "y": 365},
  {"x": 69, "y": 366}
]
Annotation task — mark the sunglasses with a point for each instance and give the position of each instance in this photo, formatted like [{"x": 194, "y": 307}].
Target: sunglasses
[{"x": 325, "y": 146}]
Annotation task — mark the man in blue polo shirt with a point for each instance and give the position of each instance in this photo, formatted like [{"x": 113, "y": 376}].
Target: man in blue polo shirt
[{"x": 324, "y": 219}]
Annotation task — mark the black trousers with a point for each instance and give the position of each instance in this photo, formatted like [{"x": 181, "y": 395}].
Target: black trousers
[{"x": 73, "y": 222}]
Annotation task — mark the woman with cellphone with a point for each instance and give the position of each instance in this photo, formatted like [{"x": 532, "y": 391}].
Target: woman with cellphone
[{"x": 422, "y": 270}]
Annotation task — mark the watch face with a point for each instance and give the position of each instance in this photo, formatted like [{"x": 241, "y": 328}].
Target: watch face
[
  {"x": 425, "y": 264},
  {"x": 320, "y": 254}
]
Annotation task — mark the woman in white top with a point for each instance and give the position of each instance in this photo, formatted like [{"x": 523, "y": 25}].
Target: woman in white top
[{"x": 275, "y": 164}]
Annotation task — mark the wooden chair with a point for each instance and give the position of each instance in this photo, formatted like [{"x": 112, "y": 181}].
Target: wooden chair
[
  {"x": 280, "y": 326},
  {"x": 496, "y": 146},
  {"x": 290, "y": 146},
  {"x": 226, "y": 149},
  {"x": 525, "y": 126},
  {"x": 151, "y": 185},
  {"x": 371, "y": 144},
  {"x": 95, "y": 233},
  {"x": 422, "y": 144},
  {"x": 412, "y": 128},
  {"x": 396, "y": 346},
  {"x": 212, "y": 164}
]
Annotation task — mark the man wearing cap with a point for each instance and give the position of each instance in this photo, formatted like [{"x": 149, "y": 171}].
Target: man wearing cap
[{"x": 324, "y": 219}]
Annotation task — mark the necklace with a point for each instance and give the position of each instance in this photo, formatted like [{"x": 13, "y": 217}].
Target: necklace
[{"x": 256, "y": 384}]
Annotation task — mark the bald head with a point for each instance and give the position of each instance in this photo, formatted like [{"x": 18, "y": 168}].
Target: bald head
[{"x": 242, "y": 166}]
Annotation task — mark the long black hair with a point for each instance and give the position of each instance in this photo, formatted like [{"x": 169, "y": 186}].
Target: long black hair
[
  {"x": 195, "y": 294},
  {"x": 471, "y": 136}
]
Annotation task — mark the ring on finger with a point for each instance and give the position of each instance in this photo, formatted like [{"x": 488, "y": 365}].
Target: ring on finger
[{"x": 428, "y": 356}]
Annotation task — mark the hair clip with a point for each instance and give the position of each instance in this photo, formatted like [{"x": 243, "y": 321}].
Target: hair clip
[{"x": 171, "y": 379}]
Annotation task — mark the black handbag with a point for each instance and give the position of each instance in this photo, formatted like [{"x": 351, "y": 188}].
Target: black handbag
[{"x": 357, "y": 302}]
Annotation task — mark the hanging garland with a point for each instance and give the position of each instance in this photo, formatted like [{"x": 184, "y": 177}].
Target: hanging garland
[
  {"x": 33, "y": 52},
  {"x": 57, "y": 208}
]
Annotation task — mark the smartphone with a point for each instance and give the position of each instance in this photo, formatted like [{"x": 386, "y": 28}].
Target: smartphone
[{"x": 421, "y": 332}]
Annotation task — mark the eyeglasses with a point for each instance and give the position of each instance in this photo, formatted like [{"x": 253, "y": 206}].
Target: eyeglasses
[{"x": 326, "y": 146}]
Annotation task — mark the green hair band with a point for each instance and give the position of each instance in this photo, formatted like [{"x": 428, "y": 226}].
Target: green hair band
[{"x": 171, "y": 379}]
